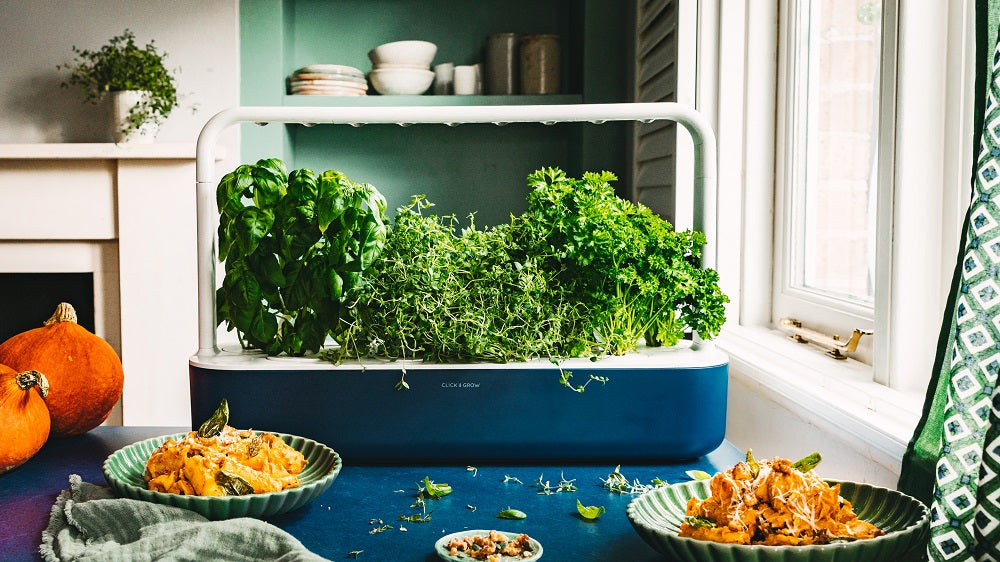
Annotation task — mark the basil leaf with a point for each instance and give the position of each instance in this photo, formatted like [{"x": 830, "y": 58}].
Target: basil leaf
[
  {"x": 752, "y": 463},
  {"x": 807, "y": 463},
  {"x": 302, "y": 185},
  {"x": 310, "y": 329},
  {"x": 263, "y": 326},
  {"x": 590, "y": 512},
  {"x": 251, "y": 226},
  {"x": 216, "y": 422},
  {"x": 336, "y": 285},
  {"x": 699, "y": 521},
  {"x": 233, "y": 484},
  {"x": 513, "y": 514},
  {"x": 435, "y": 491}
]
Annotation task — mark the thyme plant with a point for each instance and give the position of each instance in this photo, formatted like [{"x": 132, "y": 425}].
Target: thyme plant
[{"x": 121, "y": 65}]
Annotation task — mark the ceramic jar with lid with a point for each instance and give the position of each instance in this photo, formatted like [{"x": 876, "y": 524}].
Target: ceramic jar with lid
[
  {"x": 540, "y": 64},
  {"x": 502, "y": 64}
]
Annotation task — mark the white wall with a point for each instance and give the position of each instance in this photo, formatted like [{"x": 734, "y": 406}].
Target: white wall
[
  {"x": 200, "y": 37},
  {"x": 772, "y": 426},
  {"x": 201, "y": 40}
]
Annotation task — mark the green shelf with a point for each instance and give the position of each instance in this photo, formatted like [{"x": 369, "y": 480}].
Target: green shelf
[
  {"x": 425, "y": 100},
  {"x": 473, "y": 168}
]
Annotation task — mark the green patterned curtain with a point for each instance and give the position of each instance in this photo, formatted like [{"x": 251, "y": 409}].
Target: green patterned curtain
[{"x": 953, "y": 461}]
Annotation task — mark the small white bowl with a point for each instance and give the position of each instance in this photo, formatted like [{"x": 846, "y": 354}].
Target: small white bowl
[
  {"x": 401, "y": 65},
  {"x": 419, "y": 53},
  {"x": 401, "y": 81}
]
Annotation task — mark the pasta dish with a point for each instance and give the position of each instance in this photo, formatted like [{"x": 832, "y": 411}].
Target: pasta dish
[
  {"x": 774, "y": 502},
  {"x": 230, "y": 462}
]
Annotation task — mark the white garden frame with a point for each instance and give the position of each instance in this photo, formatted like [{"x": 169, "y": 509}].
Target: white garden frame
[{"x": 705, "y": 162}]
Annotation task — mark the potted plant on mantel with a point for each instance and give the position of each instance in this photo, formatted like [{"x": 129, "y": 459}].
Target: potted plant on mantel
[{"x": 141, "y": 88}]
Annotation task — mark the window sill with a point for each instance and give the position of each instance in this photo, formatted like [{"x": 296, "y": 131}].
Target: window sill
[{"x": 837, "y": 396}]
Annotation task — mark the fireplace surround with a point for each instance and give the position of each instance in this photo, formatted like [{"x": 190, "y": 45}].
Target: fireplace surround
[{"x": 124, "y": 215}]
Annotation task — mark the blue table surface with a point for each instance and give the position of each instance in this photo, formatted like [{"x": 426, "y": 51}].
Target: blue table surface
[{"x": 342, "y": 519}]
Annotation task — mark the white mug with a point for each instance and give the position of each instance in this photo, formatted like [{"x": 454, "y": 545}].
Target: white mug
[
  {"x": 465, "y": 80},
  {"x": 444, "y": 78}
]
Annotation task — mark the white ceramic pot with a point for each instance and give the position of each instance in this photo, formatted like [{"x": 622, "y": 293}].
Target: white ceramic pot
[{"x": 122, "y": 103}]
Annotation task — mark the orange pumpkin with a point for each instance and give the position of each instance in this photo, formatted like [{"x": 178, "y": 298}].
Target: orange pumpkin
[
  {"x": 84, "y": 371},
  {"x": 24, "y": 418}
]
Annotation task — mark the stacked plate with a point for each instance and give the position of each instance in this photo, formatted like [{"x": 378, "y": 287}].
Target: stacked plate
[{"x": 328, "y": 80}]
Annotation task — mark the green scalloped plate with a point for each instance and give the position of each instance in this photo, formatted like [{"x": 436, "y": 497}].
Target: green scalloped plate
[
  {"x": 441, "y": 547},
  {"x": 124, "y": 469},
  {"x": 657, "y": 515}
]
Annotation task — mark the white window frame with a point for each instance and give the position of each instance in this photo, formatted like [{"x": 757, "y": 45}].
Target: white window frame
[
  {"x": 827, "y": 313},
  {"x": 931, "y": 175}
]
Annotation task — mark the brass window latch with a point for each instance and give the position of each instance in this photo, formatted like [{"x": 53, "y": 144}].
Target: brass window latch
[{"x": 837, "y": 347}]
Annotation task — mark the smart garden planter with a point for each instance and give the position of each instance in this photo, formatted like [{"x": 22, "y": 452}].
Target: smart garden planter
[{"x": 657, "y": 404}]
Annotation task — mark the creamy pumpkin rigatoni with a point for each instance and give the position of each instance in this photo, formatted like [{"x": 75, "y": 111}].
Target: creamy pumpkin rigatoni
[
  {"x": 234, "y": 462},
  {"x": 774, "y": 503}
]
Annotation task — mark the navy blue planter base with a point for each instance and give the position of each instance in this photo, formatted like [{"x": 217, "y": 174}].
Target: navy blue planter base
[{"x": 657, "y": 405}]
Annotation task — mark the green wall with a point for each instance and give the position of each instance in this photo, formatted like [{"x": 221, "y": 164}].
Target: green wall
[{"x": 470, "y": 168}]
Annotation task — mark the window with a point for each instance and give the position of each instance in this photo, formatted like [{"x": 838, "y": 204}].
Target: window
[
  {"x": 836, "y": 115},
  {"x": 833, "y": 161},
  {"x": 866, "y": 184},
  {"x": 794, "y": 166}
]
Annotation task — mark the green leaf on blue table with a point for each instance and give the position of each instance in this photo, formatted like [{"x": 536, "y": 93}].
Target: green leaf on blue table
[
  {"x": 435, "y": 491},
  {"x": 698, "y": 475},
  {"x": 589, "y": 512},
  {"x": 513, "y": 514}
]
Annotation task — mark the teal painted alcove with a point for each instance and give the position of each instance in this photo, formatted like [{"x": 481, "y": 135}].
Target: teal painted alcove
[{"x": 464, "y": 169}]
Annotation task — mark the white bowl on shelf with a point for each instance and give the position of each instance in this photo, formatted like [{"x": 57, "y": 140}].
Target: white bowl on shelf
[
  {"x": 401, "y": 81},
  {"x": 400, "y": 65},
  {"x": 418, "y": 53}
]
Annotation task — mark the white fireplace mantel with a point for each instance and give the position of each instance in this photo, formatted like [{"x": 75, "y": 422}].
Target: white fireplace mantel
[{"x": 125, "y": 213}]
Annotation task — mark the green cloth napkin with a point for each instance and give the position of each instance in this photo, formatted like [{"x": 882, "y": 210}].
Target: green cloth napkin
[{"x": 89, "y": 522}]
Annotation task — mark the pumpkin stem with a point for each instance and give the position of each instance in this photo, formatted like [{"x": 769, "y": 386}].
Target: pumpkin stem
[
  {"x": 64, "y": 313},
  {"x": 27, "y": 379}
]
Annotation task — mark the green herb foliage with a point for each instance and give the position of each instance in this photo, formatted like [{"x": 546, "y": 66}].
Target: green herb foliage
[
  {"x": 698, "y": 475},
  {"x": 233, "y": 484},
  {"x": 807, "y": 463},
  {"x": 216, "y": 422},
  {"x": 444, "y": 295},
  {"x": 433, "y": 490},
  {"x": 581, "y": 272},
  {"x": 122, "y": 65},
  {"x": 295, "y": 246},
  {"x": 636, "y": 275}
]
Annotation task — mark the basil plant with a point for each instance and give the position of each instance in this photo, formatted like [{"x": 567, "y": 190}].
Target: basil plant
[{"x": 295, "y": 246}]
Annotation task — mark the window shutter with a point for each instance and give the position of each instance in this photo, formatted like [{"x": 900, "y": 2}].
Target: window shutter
[{"x": 661, "y": 75}]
